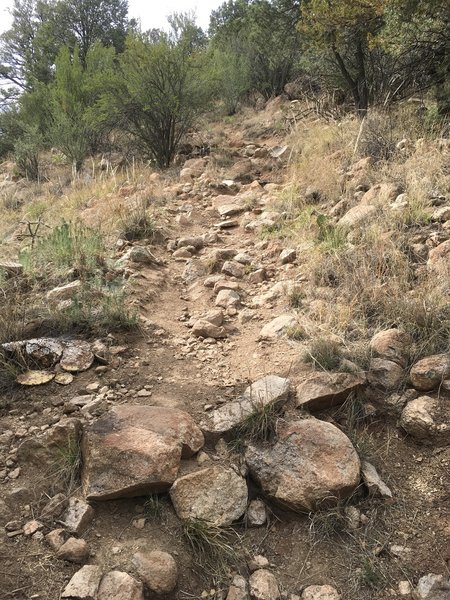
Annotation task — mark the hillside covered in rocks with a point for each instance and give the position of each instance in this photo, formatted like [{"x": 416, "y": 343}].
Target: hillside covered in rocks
[{"x": 266, "y": 414}]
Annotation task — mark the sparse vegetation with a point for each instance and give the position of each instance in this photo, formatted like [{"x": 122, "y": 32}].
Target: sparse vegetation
[
  {"x": 324, "y": 354},
  {"x": 214, "y": 547}
]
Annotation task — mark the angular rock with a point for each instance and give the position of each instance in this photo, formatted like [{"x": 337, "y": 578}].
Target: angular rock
[
  {"x": 55, "y": 506},
  {"x": 277, "y": 327},
  {"x": 136, "y": 450},
  {"x": 84, "y": 584},
  {"x": 433, "y": 587},
  {"x": 225, "y": 284},
  {"x": 323, "y": 390},
  {"x": 393, "y": 345},
  {"x": 238, "y": 590},
  {"x": 263, "y": 586},
  {"x": 138, "y": 255},
  {"x": 78, "y": 516},
  {"x": 428, "y": 374},
  {"x": 256, "y": 513},
  {"x": 74, "y": 550},
  {"x": 31, "y": 527},
  {"x": 427, "y": 419},
  {"x": 117, "y": 585},
  {"x": 216, "y": 495},
  {"x": 312, "y": 464},
  {"x": 358, "y": 215},
  {"x": 226, "y": 298},
  {"x": 196, "y": 242},
  {"x": 229, "y": 210},
  {"x": 320, "y": 592},
  {"x": 206, "y": 329},
  {"x": 77, "y": 356},
  {"x": 64, "y": 292},
  {"x": 158, "y": 570},
  {"x": 233, "y": 268},
  {"x": 385, "y": 374},
  {"x": 56, "y": 539},
  {"x": 288, "y": 255},
  {"x": 270, "y": 390},
  {"x": 374, "y": 483}
]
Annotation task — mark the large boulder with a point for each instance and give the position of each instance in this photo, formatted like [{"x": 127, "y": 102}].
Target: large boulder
[
  {"x": 322, "y": 390},
  {"x": 428, "y": 374},
  {"x": 313, "y": 463},
  {"x": 270, "y": 390},
  {"x": 217, "y": 495},
  {"x": 136, "y": 450}
]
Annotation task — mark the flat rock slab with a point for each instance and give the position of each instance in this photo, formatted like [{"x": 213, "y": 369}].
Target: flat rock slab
[
  {"x": 136, "y": 450},
  {"x": 271, "y": 389},
  {"x": 324, "y": 390},
  {"x": 277, "y": 327},
  {"x": 312, "y": 464},
  {"x": 217, "y": 495},
  {"x": 84, "y": 584}
]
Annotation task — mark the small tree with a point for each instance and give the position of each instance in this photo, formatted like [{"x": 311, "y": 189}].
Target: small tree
[{"x": 159, "y": 91}]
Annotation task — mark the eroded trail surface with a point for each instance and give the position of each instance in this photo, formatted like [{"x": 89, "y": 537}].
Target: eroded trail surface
[{"x": 175, "y": 437}]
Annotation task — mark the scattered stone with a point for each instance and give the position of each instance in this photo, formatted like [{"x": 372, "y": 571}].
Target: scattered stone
[
  {"x": 238, "y": 589},
  {"x": 277, "y": 327},
  {"x": 138, "y": 255},
  {"x": 227, "y": 298},
  {"x": 74, "y": 550},
  {"x": 288, "y": 255},
  {"x": 270, "y": 390},
  {"x": 117, "y": 585},
  {"x": 374, "y": 483},
  {"x": 233, "y": 268},
  {"x": 64, "y": 292},
  {"x": 206, "y": 329},
  {"x": 56, "y": 539},
  {"x": 84, "y": 584},
  {"x": 312, "y": 464},
  {"x": 404, "y": 588},
  {"x": 78, "y": 516},
  {"x": 35, "y": 377},
  {"x": 393, "y": 345},
  {"x": 216, "y": 494},
  {"x": 64, "y": 378},
  {"x": 320, "y": 592},
  {"x": 158, "y": 570},
  {"x": 77, "y": 356},
  {"x": 438, "y": 259},
  {"x": 427, "y": 374},
  {"x": 357, "y": 216},
  {"x": 263, "y": 586},
  {"x": 323, "y": 390},
  {"x": 432, "y": 587},
  {"x": 258, "y": 562},
  {"x": 31, "y": 527},
  {"x": 256, "y": 513},
  {"x": 427, "y": 419},
  {"x": 196, "y": 242},
  {"x": 385, "y": 374},
  {"x": 136, "y": 450}
]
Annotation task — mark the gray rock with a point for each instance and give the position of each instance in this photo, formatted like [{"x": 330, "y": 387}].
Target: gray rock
[
  {"x": 271, "y": 389},
  {"x": 78, "y": 516},
  {"x": 84, "y": 584},
  {"x": 64, "y": 292},
  {"x": 117, "y": 585},
  {"x": 158, "y": 570},
  {"x": 312, "y": 464},
  {"x": 206, "y": 329},
  {"x": 427, "y": 419},
  {"x": 323, "y": 390},
  {"x": 374, "y": 483},
  {"x": 139, "y": 255},
  {"x": 234, "y": 269},
  {"x": 433, "y": 587},
  {"x": 256, "y": 513},
  {"x": 227, "y": 298},
  {"x": 357, "y": 216},
  {"x": 288, "y": 255},
  {"x": 216, "y": 494},
  {"x": 385, "y": 374},
  {"x": 238, "y": 589},
  {"x": 277, "y": 327}
]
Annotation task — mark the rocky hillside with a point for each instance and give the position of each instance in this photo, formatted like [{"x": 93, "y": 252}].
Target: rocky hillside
[{"x": 230, "y": 380}]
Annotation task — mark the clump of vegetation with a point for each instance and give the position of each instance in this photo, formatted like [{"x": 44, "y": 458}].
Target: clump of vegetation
[
  {"x": 214, "y": 547},
  {"x": 136, "y": 223},
  {"x": 324, "y": 354},
  {"x": 67, "y": 467},
  {"x": 153, "y": 507}
]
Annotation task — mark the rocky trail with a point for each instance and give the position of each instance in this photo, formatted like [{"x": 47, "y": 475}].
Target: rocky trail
[{"x": 209, "y": 415}]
